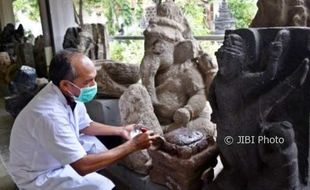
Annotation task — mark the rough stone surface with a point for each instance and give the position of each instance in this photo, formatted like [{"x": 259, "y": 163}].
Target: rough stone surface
[
  {"x": 262, "y": 91},
  {"x": 39, "y": 57},
  {"x": 136, "y": 107},
  {"x": 89, "y": 40},
  {"x": 114, "y": 78},
  {"x": 181, "y": 167},
  {"x": 6, "y": 67},
  {"x": 272, "y": 13},
  {"x": 24, "y": 53}
]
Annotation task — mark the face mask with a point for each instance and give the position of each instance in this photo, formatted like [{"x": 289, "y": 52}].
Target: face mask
[{"x": 86, "y": 94}]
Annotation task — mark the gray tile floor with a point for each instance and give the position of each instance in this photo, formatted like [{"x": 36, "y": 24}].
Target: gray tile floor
[{"x": 6, "y": 122}]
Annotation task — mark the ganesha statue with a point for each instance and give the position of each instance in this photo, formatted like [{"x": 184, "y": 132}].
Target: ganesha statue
[{"x": 175, "y": 76}]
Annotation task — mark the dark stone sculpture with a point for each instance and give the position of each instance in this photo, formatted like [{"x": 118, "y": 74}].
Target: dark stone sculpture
[
  {"x": 39, "y": 57},
  {"x": 90, "y": 40},
  {"x": 22, "y": 88},
  {"x": 261, "y": 83}
]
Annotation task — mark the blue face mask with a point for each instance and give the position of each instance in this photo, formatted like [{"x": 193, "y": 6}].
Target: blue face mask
[{"x": 86, "y": 94}]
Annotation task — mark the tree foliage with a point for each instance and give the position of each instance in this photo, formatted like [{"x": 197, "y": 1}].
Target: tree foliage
[
  {"x": 194, "y": 13},
  {"x": 28, "y": 7},
  {"x": 243, "y": 11},
  {"x": 117, "y": 12}
]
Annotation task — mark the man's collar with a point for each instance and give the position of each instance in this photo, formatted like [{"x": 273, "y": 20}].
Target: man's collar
[{"x": 63, "y": 98}]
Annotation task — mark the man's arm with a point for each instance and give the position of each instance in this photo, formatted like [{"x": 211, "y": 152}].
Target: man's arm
[
  {"x": 96, "y": 128},
  {"x": 93, "y": 162}
]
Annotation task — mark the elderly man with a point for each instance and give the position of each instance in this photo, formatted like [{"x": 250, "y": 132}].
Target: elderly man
[{"x": 52, "y": 144}]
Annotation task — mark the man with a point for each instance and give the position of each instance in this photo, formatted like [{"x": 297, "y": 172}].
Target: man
[{"x": 52, "y": 144}]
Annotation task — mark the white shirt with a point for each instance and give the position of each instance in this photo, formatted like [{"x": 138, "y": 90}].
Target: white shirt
[{"x": 45, "y": 139}]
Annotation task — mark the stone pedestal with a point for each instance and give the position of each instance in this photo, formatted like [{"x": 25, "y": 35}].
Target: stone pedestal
[
  {"x": 180, "y": 163},
  {"x": 104, "y": 111}
]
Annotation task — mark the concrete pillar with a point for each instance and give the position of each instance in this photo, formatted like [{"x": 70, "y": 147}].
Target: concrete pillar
[
  {"x": 6, "y": 13},
  {"x": 61, "y": 17},
  {"x": 47, "y": 31}
]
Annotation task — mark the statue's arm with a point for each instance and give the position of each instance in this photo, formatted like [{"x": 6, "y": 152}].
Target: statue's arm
[
  {"x": 212, "y": 101},
  {"x": 282, "y": 90},
  {"x": 194, "y": 88},
  {"x": 148, "y": 70},
  {"x": 256, "y": 81}
]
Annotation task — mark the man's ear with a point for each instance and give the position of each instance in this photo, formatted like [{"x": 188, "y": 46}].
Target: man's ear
[
  {"x": 184, "y": 50},
  {"x": 63, "y": 85}
]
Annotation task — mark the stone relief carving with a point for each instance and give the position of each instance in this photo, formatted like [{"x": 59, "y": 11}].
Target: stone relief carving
[{"x": 255, "y": 94}]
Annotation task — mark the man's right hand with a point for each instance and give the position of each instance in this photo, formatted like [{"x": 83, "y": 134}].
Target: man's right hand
[{"x": 143, "y": 140}]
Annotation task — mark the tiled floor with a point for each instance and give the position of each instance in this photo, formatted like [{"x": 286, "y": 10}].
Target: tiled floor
[{"x": 6, "y": 122}]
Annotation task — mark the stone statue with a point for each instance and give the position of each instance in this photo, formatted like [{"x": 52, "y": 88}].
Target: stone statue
[
  {"x": 250, "y": 99},
  {"x": 90, "y": 40},
  {"x": 5, "y": 67},
  {"x": 273, "y": 13},
  {"x": 175, "y": 76},
  {"x": 39, "y": 57},
  {"x": 171, "y": 71},
  {"x": 114, "y": 78}
]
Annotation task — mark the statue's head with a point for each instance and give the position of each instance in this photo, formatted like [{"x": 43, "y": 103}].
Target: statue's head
[
  {"x": 273, "y": 13},
  {"x": 231, "y": 56}
]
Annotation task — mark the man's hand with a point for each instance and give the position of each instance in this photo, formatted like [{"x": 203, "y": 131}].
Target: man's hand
[
  {"x": 125, "y": 133},
  {"x": 144, "y": 140}
]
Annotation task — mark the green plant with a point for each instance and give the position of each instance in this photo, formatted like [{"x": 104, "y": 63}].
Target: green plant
[
  {"x": 28, "y": 7},
  {"x": 243, "y": 11}
]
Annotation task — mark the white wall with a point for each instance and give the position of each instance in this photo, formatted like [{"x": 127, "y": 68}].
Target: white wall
[{"x": 62, "y": 17}]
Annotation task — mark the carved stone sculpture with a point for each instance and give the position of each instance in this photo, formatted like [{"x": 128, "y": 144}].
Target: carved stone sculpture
[
  {"x": 24, "y": 53},
  {"x": 90, "y": 40},
  {"x": 261, "y": 83},
  {"x": 114, "y": 78},
  {"x": 175, "y": 77},
  {"x": 5, "y": 67},
  {"x": 187, "y": 153},
  {"x": 273, "y": 13},
  {"x": 39, "y": 57},
  {"x": 174, "y": 70}
]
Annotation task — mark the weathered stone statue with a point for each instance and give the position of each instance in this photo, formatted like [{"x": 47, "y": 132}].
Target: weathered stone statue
[
  {"x": 114, "y": 78},
  {"x": 174, "y": 70},
  {"x": 5, "y": 67},
  {"x": 90, "y": 40},
  {"x": 39, "y": 57},
  {"x": 172, "y": 100},
  {"x": 254, "y": 98},
  {"x": 273, "y": 13}
]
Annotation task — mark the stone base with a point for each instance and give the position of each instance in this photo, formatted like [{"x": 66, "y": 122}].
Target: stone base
[
  {"x": 105, "y": 111},
  {"x": 182, "y": 174},
  {"x": 126, "y": 179}
]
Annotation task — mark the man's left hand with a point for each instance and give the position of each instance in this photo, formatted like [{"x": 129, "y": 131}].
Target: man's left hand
[{"x": 125, "y": 133}]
